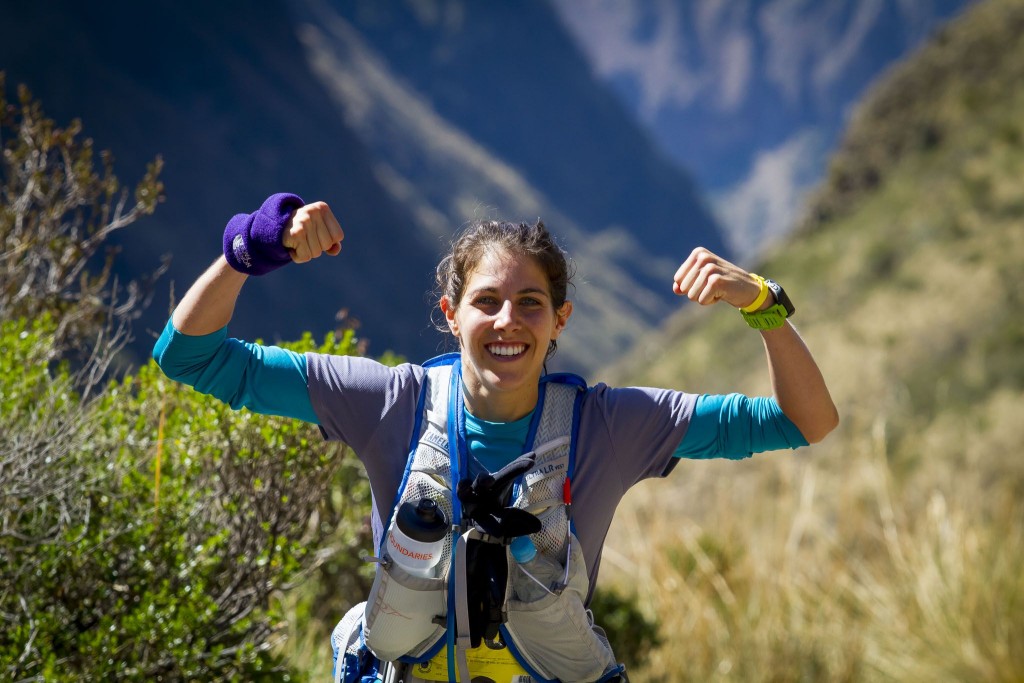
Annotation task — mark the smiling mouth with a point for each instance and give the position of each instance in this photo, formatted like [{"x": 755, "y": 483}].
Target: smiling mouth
[{"x": 506, "y": 350}]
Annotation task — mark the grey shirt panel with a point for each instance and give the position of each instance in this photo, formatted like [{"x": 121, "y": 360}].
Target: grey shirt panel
[
  {"x": 372, "y": 408},
  {"x": 626, "y": 435}
]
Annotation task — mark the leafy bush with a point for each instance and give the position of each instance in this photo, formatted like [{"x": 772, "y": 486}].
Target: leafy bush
[
  {"x": 631, "y": 632},
  {"x": 57, "y": 211},
  {"x": 144, "y": 528},
  {"x": 159, "y": 526},
  {"x": 165, "y": 524}
]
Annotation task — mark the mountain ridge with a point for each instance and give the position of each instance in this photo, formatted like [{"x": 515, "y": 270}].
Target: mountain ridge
[
  {"x": 422, "y": 155},
  {"x": 751, "y": 95},
  {"x": 226, "y": 93},
  {"x": 924, "y": 194},
  {"x": 192, "y": 100}
]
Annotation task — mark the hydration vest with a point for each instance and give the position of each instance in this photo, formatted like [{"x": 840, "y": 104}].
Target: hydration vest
[{"x": 411, "y": 618}]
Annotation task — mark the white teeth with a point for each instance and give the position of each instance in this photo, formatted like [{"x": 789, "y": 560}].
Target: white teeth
[{"x": 507, "y": 350}]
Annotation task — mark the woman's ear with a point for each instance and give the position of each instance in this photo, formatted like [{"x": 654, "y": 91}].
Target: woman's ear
[
  {"x": 449, "y": 315},
  {"x": 561, "y": 318}
]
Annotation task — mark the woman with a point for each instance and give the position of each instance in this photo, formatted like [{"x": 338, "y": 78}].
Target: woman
[{"x": 452, "y": 430}]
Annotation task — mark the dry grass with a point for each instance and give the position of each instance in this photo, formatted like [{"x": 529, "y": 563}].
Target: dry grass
[
  {"x": 794, "y": 569},
  {"x": 895, "y": 550}
]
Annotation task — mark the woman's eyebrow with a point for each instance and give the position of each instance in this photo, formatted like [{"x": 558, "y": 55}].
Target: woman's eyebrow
[{"x": 494, "y": 290}]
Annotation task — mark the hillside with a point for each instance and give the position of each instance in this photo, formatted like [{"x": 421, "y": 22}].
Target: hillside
[
  {"x": 753, "y": 95},
  {"x": 357, "y": 104},
  {"x": 450, "y": 120},
  {"x": 892, "y": 550},
  {"x": 231, "y": 113},
  {"x": 907, "y": 266}
]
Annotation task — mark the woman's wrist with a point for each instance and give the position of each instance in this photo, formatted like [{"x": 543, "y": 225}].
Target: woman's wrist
[
  {"x": 770, "y": 309},
  {"x": 762, "y": 296}
]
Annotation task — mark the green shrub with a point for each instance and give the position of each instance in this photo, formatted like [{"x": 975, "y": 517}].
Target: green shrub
[
  {"x": 145, "y": 529},
  {"x": 154, "y": 524},
  {"x": 632, "y": 633}
]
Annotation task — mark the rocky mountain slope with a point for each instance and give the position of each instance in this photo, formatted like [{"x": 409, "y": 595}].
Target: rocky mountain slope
[
  {"x": 907, "y": 271},
  {"x": 751, "y": 95},
  {"x": 407, "y": 125}
]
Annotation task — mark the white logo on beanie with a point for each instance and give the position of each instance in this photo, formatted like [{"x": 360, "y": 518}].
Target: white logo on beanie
[{"x": 241, "y": 253}]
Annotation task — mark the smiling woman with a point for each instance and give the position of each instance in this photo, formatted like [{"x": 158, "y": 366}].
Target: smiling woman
[
  {"x": 505, "y": 316},
  {"x": 499, "y": 447}
]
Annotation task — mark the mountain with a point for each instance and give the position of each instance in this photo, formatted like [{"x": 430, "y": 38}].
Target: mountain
[
  {"x": 892, "y": 550},
  {"x": 750, "y": 95},
  {"x": 225, "y": 96},
  {"x": 409, "y": 118},
  {"x": 906, "y": 273},
  {"x": 480, "y": 66},
  {"x": 449, "y": 115}
]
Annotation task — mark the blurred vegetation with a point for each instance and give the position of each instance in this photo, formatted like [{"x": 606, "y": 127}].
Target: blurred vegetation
[
  {"x": 57, "y": 213},
  {"x": 147, "y": 536},
  {"x": 147, "y": 532},
  {"x": 632, "y": 632},
  {"x": 892, "y": 551}
]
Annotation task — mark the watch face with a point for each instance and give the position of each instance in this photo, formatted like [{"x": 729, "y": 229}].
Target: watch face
[{"x": 781, "y": 297}]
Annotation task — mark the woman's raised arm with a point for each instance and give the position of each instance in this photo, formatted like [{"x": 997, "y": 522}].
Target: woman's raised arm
[
  {"x": 283, "y": 230},
  {"x": 797, "y": 382}
]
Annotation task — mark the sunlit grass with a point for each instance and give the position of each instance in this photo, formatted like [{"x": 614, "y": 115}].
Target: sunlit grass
[{"x": 834, "y": 575}]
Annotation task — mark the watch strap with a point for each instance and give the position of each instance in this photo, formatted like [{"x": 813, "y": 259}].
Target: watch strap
[{"x": 768, "y": 319}]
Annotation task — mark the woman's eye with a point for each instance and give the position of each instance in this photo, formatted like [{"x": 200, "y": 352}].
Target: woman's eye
[{"x": 529, "y": 301}]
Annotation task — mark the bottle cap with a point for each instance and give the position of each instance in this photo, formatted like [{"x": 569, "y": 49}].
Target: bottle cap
[
  {"x": 422, "y": 521},
  {"x": 523, "y": 549}
]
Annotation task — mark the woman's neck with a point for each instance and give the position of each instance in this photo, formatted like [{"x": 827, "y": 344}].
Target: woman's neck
[{"x": 499, "y": 408}]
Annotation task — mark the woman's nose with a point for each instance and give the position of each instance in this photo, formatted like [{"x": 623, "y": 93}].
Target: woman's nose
[{"x": 505, "y": 317}]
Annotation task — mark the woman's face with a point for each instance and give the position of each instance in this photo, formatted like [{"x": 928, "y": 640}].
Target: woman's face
[{"x": 504, "y": 324}]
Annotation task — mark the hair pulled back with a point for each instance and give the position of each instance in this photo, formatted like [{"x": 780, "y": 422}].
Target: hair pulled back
[{"x": 519, "y": 239}]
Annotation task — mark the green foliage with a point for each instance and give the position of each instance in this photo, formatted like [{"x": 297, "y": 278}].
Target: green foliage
[
  {"x": 149, "y": 540},
  {"x": 632, "y": 633},
  {"x": 952, "y": 81},
  {"x": 146, "y": 530},
  {"x": 57, "y": 211}
]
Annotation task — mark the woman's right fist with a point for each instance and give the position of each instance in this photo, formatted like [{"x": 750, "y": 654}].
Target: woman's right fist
[{"x": 313, "y": 230}]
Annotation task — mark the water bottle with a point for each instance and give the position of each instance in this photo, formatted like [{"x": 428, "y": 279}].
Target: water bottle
[
  {"x": 416, "y": 540},
  {"x": 529, "y": 563}
]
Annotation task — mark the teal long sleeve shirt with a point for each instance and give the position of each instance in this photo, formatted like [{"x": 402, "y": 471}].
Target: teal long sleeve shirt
[{"x": 272, "y": 380}]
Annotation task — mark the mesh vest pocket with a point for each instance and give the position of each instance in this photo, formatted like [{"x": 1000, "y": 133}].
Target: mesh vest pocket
[
  {"x": 403, "y": 609},
  {"x": 556, "y": 634}
]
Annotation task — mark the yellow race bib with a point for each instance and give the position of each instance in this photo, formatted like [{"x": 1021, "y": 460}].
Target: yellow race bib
[{"x": 485, "y": 666}]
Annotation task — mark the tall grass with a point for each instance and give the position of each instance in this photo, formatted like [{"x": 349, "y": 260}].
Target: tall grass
[
  {"x": 833, "y": 572},
  {"x": 895, "y": 550}
]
